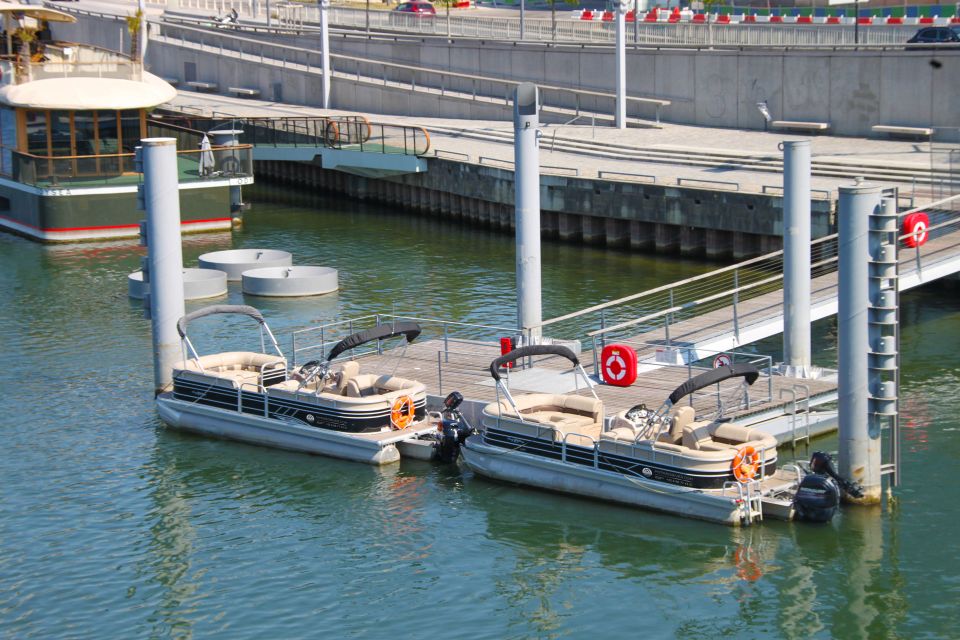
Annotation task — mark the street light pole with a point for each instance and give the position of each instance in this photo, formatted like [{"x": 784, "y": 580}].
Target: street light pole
[{"x": 856, "y": 22}]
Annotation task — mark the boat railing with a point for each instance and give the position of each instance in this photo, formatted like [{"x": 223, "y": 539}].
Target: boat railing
[
  {"x": 314, "y": 342},
  {"x": 564, "y": 443},
  {"x": 72, "y": 60},
  {"x": 85, "y": 170},
  {"x": 695, "y": 361}
]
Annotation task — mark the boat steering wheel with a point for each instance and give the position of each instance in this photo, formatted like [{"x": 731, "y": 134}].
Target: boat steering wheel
[{"x": 309, "y": 371}]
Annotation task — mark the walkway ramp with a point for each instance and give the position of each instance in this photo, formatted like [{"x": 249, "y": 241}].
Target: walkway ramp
[
  {"x": 743, "y": 303},
  {"x": 351, "y": 144}
]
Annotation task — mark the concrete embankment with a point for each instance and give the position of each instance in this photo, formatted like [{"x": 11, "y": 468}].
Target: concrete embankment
[{"x": 695, "y": 222}]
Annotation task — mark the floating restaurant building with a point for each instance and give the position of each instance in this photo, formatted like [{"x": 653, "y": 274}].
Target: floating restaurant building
[{"x": 71, "y": 117}]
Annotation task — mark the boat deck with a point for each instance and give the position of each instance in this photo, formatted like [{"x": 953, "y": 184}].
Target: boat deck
[{"x": 464, "y": 367}]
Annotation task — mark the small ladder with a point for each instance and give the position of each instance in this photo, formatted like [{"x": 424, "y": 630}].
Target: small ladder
[{"x": 750, "y": 500}]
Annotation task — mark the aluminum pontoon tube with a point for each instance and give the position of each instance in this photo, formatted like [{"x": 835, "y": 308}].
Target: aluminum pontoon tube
[
  {"x": 526, "y": 155},
  {"x": 796, "y": 258},
  {"x": 859, "y": 452},
  {"x": 161, "y": 196}
]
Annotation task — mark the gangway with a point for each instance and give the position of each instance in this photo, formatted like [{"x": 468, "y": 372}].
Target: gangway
[
  {"x": 351, "y": 144},
  {"x": 743, "y": 303}
]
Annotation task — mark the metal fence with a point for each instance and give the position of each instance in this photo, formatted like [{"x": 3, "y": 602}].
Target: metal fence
[{"x": 728, "y": 300}]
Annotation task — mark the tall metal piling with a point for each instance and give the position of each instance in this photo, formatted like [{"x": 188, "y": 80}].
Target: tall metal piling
[
  {"x": 161, "y": 201},
  {"x": 324, "y": 5},
  {"x": 526, "y": 155},
  {"x": 620, "y": 112},
  {"x": 859, "y": 446},
  {"x": 796, "y": 258}
]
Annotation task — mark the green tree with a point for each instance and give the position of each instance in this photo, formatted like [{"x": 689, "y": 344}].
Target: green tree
[{"x": 134, "y": 25}]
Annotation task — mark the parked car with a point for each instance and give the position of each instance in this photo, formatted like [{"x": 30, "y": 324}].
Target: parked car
[
  {"x": 937, "y": 35},
  {"x": 418, "y": 8}
]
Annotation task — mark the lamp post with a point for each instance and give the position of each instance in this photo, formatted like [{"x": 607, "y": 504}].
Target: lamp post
[{"x": 856, "y": 22}]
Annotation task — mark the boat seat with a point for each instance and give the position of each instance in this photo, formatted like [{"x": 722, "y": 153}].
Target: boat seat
[
  {"x": 696, "y": 434},
  {"x": 348, "y": 370},
  {"x": 369, "y": 384},
  {"x": 240, "y": 368},
  {"x": 563, "y": 414},
  {"x": 682, "y": 417}
]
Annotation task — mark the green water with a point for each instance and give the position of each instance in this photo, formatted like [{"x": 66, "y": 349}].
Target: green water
[{"x": 112, "y": 526}]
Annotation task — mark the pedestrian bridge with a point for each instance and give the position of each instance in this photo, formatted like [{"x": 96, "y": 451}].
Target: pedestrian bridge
[
  {"x": 719, "y": 311},
  {"x": 351, "y": 144}
]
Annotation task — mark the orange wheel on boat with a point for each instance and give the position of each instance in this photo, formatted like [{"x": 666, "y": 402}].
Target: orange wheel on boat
[
  {"x": 745, "y": 463},
  {"x": 401, "y": 415}
]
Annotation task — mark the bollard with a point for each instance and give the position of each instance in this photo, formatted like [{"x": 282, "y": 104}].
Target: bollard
[
  {"x": 796, "y": 258},
  {"x": 161, "y": 198},
  {"x": 526, "y": 155},
  {"x": 859, "y": 449}
]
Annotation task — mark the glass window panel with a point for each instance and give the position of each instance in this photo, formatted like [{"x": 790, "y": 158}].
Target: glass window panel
[
  {"x": 84, "y": 133},
  {"x": 107, "y": 129},
  {"x": 60, "y": 133},
  {"x": 8, "y": 136},
  {"x": 130, "y": 124},
  {"x": 37, "y": 132}
]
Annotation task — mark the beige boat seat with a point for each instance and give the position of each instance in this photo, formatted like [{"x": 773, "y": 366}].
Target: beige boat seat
[
  {"x": 368, "y": 384},
  {"x": 341, "y": 379},
  {"x": 240, "y": 368},
  {"x": 682, "y": 417},
  {"x": 562, "y": 413}
]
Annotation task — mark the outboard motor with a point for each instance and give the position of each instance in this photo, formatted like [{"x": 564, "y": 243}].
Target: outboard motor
[
  {"x": 818, "y": 496},
  {"x": 454, "y": 429}
]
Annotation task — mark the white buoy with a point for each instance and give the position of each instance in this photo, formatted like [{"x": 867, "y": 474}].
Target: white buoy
[
  {"x": 197, "y": 284},
  {"x": 289, "y": 282},
  {"x": 235, "y": 261}
]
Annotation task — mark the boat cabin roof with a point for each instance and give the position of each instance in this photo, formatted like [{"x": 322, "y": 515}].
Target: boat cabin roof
[
  {"x": 16, "y": 9},
  {"x": 86, "y": 93}
]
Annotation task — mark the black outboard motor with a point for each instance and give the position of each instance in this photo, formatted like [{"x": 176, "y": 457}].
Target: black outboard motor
[
  {"x": 454, "y": 429},
  {"x": 818, "y": 496}
]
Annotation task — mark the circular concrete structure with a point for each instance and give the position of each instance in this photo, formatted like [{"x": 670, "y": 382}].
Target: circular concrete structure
[
  {"x": 287, "y": 282},
  {"x": 197, "y": 284},
  {"x": 235, "y": 261}
]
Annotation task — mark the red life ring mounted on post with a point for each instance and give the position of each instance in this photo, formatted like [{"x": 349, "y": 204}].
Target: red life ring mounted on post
[
  {"x": 402, "y": 413},
  {"x": 915, "y": 228}
]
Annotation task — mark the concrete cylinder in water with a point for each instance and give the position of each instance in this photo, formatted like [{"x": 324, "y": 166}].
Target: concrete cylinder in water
[
  {"x": 235, "y": 261},
  {"x": 288, "y": 282},
  {"x": 197, "y": 284}
]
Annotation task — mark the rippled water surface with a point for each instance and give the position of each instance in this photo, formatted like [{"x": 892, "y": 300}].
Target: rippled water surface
[{"x": 113, "y": 527}]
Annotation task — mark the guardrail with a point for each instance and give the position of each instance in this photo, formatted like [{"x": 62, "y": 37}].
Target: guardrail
[
  {"x": 471, "y": 87},
  {"x": 718, "y": 297},
  {"x": 336, "y": 132}
]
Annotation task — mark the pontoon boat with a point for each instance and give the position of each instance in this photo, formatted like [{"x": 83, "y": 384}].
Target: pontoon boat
[
  {"x": 664, "y": 460},
  {"x": 324, "y": 408}
]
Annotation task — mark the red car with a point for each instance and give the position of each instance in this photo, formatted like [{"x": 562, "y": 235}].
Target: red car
[{"x": 418, "y": 8}]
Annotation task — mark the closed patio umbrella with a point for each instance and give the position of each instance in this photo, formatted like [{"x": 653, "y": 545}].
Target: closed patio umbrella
[{"x": 206, "y": 157}]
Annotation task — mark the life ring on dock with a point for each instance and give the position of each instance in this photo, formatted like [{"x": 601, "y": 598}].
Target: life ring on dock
[
  {"x": 745, "y": 464},
  {"x": 915, "y": 228},
  {"x": 402, "y": 412},
  {"x": 332, "y": 135}
]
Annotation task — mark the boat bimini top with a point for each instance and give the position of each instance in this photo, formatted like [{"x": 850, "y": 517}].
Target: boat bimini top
[
  {"x": 529, "y": 351},
  {"x": 321, "y": 369},
  {"x": 658, "y": 421},
  {"x": 238, "y": 309}
]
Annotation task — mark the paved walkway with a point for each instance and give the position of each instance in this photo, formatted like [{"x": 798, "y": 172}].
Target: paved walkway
[{"x": 725, "y": 150}]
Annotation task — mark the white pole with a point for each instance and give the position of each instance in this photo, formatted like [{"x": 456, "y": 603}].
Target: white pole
[
  {"x": 526, "y": 155},
  {"x": 796, "y": 258},
  {"x": 620, "y": 118},
  {"x": 325, "y": 54},
  {"x": 161, "y": 195},
  {"x": 859, "y": 449}
]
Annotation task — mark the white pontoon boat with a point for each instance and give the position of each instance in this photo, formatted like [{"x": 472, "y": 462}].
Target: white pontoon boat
[
  {"x": 324, "y": 408},
  {"x": 664, "y": 460}
]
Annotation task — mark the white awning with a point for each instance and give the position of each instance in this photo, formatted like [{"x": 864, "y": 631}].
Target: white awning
[
  {"x": 36, "y": 11},
  {"x": 84, "y": 93}
]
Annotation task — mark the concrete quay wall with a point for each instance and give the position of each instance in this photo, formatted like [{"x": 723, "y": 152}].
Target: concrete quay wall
[
  {"x": 693, "y": 222},
  {"x": 850, "y": 90}
]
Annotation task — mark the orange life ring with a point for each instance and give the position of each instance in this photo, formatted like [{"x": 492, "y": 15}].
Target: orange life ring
[
  {"x": 745, "y": 463},
  {"x": 402, "y": 412}
]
